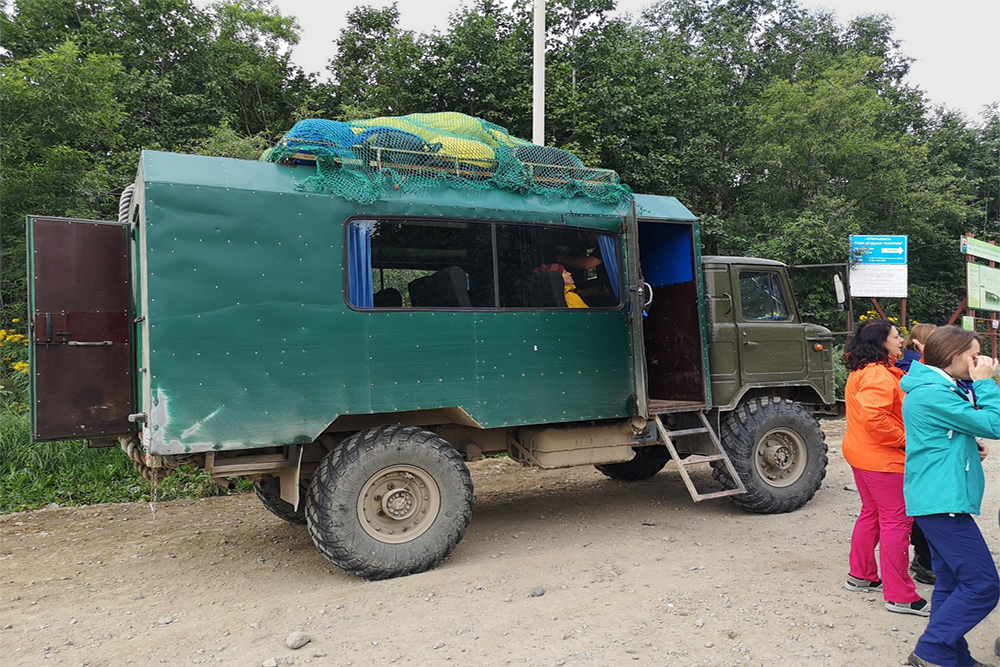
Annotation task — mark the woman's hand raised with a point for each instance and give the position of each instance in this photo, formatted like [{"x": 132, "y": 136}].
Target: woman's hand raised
[{"x": 982, "y": 367}]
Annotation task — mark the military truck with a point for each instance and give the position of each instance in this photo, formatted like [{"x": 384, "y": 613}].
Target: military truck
[{"x": 350, "y": 357}]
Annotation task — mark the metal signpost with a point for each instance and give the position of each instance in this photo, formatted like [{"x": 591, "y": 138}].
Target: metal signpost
[{"x": 878, "y": 269}]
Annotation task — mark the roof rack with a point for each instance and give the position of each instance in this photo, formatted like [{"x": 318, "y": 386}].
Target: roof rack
[{"x": 402, "y": 160}]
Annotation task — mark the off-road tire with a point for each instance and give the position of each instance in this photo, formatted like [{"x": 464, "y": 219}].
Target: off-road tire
[
  {"x": 269, "y": 493},
  {"x": 744, "y": 432},
  {"x": 340, "y": 513},
  {"x": 647, "y": 462}
]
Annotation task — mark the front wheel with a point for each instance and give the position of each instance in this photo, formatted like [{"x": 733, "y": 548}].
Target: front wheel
[
  {"x": 779, "y": 452},
  {"x": 389, "y": 501}
]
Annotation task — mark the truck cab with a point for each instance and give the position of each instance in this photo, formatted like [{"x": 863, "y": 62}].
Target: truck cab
[{"x": 758, "y": 344}]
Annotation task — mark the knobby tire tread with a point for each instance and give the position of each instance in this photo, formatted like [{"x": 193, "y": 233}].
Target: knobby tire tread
[
  {"x": 645, "y": 464},
  {"x": 342, "y": 468},
  {"x": 737, "y": 436},
  {"x": 269, "y": 494}
]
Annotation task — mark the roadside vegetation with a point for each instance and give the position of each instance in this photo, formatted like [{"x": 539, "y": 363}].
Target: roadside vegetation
[{"x": 69, "y": 473}]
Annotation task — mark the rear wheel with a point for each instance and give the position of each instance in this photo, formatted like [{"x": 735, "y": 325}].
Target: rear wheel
[
  {"x": 269, "y": 493},
  {"x": 779, "y": 452},
  {"x": 647, "y": 462},
  {"x": 389, "y": 501}
]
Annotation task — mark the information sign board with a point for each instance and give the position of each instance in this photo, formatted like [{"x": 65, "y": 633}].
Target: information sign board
[
  {"x": 879, "y": 266},
  {"x": 980, "y": 249},
  {"x": 983, "y": 284}
]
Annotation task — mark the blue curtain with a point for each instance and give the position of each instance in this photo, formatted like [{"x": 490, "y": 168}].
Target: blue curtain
[
  {"x": 360, "y": 285},
  {"x": 609, "y": 255}
]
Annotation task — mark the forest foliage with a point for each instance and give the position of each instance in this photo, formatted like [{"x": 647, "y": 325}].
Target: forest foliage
[{"x": 784, "y": 129}]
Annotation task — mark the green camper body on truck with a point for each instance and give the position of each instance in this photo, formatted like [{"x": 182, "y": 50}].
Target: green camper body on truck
[
  {"x": 347, "y": 355},
  {"x": 251, "y": 341}
]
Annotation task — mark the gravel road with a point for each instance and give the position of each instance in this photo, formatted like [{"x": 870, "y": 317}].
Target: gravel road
[{"x": 560, "y": 567}]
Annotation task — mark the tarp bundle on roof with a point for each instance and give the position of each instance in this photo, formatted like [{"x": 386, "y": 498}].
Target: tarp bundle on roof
[{"x": 359, "y": 160}]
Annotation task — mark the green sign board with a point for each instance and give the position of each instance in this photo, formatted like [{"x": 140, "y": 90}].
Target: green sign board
[
  {"x": 968, "y": 323},
  {"x": 978, "y": 248},
  {"x": 983, "y": 284}
]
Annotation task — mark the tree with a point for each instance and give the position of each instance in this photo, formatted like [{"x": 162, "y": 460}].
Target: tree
[{"x": 61, "y": 119}]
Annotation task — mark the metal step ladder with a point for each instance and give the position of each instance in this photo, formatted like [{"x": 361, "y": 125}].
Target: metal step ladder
[{"x": 667, "y": 437}]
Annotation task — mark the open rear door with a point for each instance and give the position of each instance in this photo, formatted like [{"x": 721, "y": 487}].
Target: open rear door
[
  {"x": 637, "y": 296},
  {"x": 81, "y": 328}
]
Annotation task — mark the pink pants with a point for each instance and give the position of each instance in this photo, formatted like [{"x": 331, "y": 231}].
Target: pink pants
[{"x": 883, "y": 521}]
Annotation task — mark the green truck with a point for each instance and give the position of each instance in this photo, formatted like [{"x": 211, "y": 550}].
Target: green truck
[{"x": 349, "y": 358}]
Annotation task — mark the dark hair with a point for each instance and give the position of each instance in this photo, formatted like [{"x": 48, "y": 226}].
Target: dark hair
[
  {"x": 867, "y": 345},
  {"x": 946, "y": 343}
]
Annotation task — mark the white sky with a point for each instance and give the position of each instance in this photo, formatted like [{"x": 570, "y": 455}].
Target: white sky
[{"x": 956, "y": 43}]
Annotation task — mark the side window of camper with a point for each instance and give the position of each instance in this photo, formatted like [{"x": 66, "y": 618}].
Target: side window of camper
[
  {"x": 419, "y": 264},
  {"x": 762, "y": 296},
  {"x": 455, "y": 265},
  {"x": 555, "y": 267}
]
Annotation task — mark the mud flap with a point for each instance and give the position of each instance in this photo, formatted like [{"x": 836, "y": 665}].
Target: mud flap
[{"x": 289, "y": 479}]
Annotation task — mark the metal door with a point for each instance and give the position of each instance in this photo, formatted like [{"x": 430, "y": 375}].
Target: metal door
[
  {"x": 773, "y": 345},
  {"x": 638, "y": 293},
  {"x": 80, "y": 328}
]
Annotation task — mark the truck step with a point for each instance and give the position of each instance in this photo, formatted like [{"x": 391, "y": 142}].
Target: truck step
[
  {"x": 687, "y": 431},
  {"x": 682, "y": 464}
]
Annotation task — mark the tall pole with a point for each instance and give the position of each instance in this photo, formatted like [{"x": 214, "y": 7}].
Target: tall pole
[{"x": 538, "y": 80}]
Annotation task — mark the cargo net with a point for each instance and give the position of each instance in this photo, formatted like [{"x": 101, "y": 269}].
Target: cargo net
[{"x": 361, "y": 160}]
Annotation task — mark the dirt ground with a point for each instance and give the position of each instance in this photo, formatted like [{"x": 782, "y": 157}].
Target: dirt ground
[{"x": 633, "y": 574}]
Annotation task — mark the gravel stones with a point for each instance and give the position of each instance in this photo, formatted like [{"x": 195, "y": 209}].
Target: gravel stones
[{"x": 297, "y": 639}]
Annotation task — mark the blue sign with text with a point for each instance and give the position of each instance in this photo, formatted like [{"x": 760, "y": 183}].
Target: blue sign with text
[{"x": 879, "y": 249}]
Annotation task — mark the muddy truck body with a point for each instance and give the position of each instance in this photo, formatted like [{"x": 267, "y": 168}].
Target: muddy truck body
[{"x": 350, "y": 358}]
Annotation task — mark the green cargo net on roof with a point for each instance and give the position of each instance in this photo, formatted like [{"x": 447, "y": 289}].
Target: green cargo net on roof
[{"x": 362, "y": 159}]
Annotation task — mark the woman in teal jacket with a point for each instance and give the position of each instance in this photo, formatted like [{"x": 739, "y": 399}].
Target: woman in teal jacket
[{"x": 943, "y": 485}]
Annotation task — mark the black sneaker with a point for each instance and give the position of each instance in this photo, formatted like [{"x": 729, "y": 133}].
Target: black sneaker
[
  {"x": 916, "y": 661},
  {"x": 855, "y": 584},
  {"x": 922, "y": 574},
  {"x": 918, "y": 608}
]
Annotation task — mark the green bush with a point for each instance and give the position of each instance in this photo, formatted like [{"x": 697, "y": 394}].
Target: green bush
[{"x": 839, "y": 370}]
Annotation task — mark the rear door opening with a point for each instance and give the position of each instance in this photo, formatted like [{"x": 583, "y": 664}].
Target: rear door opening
[{"x": 672, "y": 328}]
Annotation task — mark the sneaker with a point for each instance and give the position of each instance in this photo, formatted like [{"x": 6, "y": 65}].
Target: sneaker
[
  {"x": 918, "y": 608},
  {"x": 855, "y": 584},
  {"x": 916, "y": 661},
  {"x": 922, "y": 574}
]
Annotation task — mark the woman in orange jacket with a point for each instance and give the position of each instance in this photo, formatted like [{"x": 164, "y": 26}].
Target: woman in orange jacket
[{"x": 874, "y": 446}]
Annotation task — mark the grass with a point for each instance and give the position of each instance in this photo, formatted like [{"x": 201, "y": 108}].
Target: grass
[{"x": 70, "y": 473}]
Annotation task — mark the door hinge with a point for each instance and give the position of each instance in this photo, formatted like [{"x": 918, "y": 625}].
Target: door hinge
[
  {"x": 137, "y": 418},
  {"x": 139, "y": 319}
]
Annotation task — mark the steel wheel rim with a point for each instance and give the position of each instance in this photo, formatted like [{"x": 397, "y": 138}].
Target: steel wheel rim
[
  {"x": 398, "y": 504},
  {"x": 780, "y": 457}
]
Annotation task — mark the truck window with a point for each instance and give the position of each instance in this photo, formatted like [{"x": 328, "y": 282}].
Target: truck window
[
  {"x": 525, "y": 251},
  {"x": 454, "y": 265},
  {"x": 762, "y": 296},
  {"x": 420, "y": 264}
]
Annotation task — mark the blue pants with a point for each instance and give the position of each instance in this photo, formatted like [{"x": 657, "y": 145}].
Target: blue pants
[{"x": 966, "y": 591}]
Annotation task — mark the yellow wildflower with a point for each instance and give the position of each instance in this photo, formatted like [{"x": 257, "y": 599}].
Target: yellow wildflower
[{"x": 15, "y": 320}]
